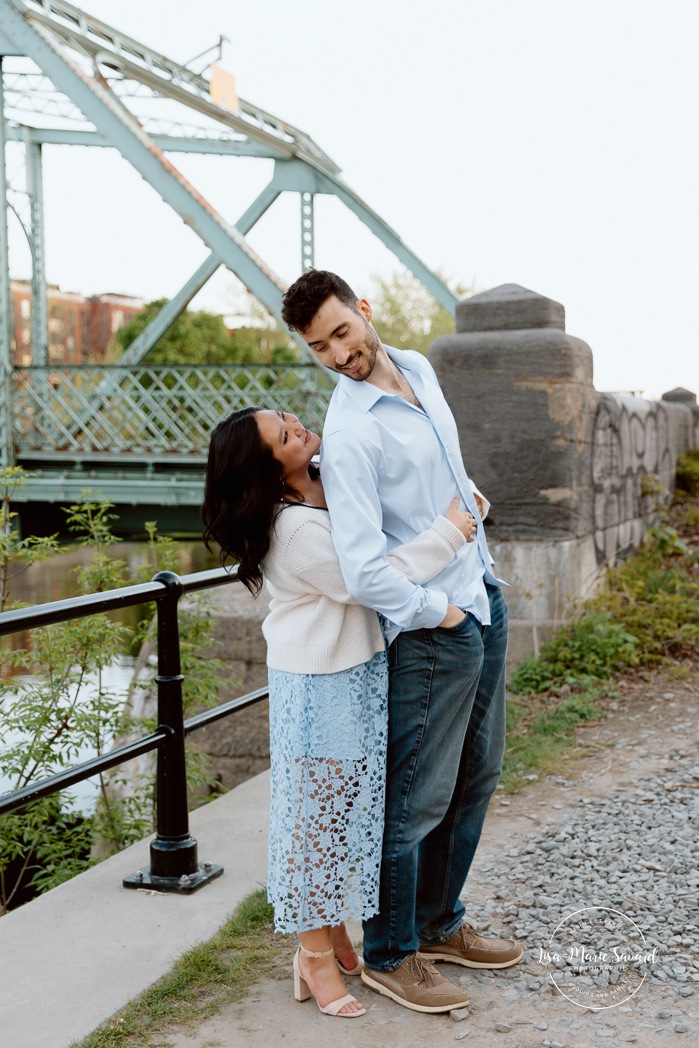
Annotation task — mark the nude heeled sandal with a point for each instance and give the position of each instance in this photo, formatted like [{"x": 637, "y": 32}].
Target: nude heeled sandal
[
  {"x": 302, "y": 992},
  {"x": 357, "y": 970}
]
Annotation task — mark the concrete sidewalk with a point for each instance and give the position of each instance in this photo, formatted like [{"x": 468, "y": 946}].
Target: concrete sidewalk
[{"x": 73, "y": 957}]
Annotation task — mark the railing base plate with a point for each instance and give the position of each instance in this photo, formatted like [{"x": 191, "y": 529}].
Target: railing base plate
[{"x": 185, "y": 885}]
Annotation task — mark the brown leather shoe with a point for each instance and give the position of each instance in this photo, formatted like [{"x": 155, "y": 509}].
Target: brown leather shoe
[
  {"x": 417, "y": 984},
  {"x": 473, "y": 950}
]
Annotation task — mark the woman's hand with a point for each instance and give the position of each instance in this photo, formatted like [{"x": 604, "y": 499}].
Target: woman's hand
[{"x": 462, "y": 519}]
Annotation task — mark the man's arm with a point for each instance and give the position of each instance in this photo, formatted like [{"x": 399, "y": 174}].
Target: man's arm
[{"x": 350, "y": 482}]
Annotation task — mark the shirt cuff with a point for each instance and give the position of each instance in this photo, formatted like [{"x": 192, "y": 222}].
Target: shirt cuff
[
  {"x": 434, "y": 611},
  {"x": 486, "y": 503}
]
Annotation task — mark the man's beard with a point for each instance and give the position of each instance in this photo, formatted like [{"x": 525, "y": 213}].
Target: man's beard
[{"x": 370, "y": 348}]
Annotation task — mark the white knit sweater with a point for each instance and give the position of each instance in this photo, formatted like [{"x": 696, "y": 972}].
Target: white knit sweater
[{"x": 314, "y": 625}]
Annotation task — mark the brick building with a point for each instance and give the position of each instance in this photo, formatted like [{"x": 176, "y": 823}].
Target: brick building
[{"x": 80, "y": 327}]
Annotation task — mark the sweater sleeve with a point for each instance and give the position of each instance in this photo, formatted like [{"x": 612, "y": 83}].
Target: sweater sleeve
[
  {"x": 311, "y": 557},
  {"x": 429, "y": 552}
]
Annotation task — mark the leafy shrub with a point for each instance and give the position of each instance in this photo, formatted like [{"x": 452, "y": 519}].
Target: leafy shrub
[
  {"x": 687, "y": 472},
  {"x": 593, "y": 646},
  {"x": 655, "y": 595}
]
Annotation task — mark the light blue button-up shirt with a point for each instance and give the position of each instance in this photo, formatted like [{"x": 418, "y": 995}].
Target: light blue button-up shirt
[{"x": 388, "y": 470}]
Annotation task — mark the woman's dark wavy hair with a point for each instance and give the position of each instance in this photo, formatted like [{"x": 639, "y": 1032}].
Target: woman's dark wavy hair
[
  {"x": 243, "y": 491},
  {"x": 244, "y": 486}
]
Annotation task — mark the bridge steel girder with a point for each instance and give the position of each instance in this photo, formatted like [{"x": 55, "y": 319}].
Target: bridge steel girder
[
  {"x": 436, "y": 287},
  {"x": 123, "y": 131},
  {"x": 140, "y": 488},
  {"x": 34, "y": 138},
  {"x": 142, "y": 345},
  {"x": 262, "y": 202},
  {"x": 296, "y": 176},
  {"x": 293, "y": 175},
  {"x": 178, "y": 82},
  {"x": 168, "y": 143}
]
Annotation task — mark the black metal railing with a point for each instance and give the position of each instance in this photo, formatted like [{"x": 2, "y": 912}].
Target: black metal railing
[{"x": 174, "y": 865}]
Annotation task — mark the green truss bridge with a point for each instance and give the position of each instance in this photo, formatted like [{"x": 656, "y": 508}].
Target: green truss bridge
[
  {"x": 136, "y": 433},
  {"x": 139, "y": 435}
]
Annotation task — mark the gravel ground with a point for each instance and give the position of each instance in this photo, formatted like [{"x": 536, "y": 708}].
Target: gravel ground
[{"x": 603, "y": 858}]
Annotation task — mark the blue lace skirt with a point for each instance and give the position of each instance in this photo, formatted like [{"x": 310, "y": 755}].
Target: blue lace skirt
[{"x": 328, "y": 753}]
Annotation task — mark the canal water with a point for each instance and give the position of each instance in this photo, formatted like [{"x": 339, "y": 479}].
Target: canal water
[{"x": 55, "y": 579}]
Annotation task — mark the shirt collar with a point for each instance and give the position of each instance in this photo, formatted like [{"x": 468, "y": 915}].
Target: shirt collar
[{"x": 366, "y": 394}]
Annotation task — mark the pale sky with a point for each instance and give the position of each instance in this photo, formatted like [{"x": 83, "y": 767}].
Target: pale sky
[{"x": 548, "y": 143}]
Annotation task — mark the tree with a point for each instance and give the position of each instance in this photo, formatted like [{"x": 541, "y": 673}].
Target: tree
[
  {"x": 405, "y": 313},
  {"x": 203, "y": 338},
  {"x": 258, "y": 334},
  {"x": 194, "y": 338},
  {"x": 263, "y": 345}
]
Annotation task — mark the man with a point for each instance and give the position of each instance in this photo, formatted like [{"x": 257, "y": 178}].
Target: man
[{"x": 391, "y": 462}]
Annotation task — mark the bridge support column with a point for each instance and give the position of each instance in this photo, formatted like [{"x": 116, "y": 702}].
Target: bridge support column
[
  {"x": 307, "y": 232},
  {"x": 6, "y": 353},
  {"x": 35, "y": 191}
]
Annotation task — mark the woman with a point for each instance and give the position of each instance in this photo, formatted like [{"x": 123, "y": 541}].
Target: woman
[{"x": 264, "y": 506}]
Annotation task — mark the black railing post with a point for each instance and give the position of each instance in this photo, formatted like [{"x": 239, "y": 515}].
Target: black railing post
[{"x": 173, "y": 852}]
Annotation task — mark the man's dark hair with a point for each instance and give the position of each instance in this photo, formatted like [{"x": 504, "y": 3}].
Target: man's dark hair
[{"x": 307, "y": 294}]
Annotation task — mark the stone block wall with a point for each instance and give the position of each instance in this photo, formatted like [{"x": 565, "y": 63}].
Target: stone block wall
[
  {"x": 562, "y": 464},
  {"x": 633, "y": 440}
]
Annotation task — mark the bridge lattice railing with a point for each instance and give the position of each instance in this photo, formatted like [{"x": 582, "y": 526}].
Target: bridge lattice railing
[{"x": 153, "y": 409}]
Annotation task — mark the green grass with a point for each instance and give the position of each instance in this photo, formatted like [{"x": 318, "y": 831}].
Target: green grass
[
  {"x": 540, "y": 735},
  {"x": 207, "y": 978}
]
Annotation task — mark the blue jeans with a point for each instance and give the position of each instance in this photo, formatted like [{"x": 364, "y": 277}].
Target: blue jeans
[{"x": 446, "y": 739}]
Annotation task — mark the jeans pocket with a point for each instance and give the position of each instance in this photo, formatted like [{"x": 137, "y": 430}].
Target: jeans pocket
[{"x": 459, "y": 627}]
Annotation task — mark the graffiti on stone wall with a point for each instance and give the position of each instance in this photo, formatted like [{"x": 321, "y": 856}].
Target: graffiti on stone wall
[{"x": 630, "y": 441}]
